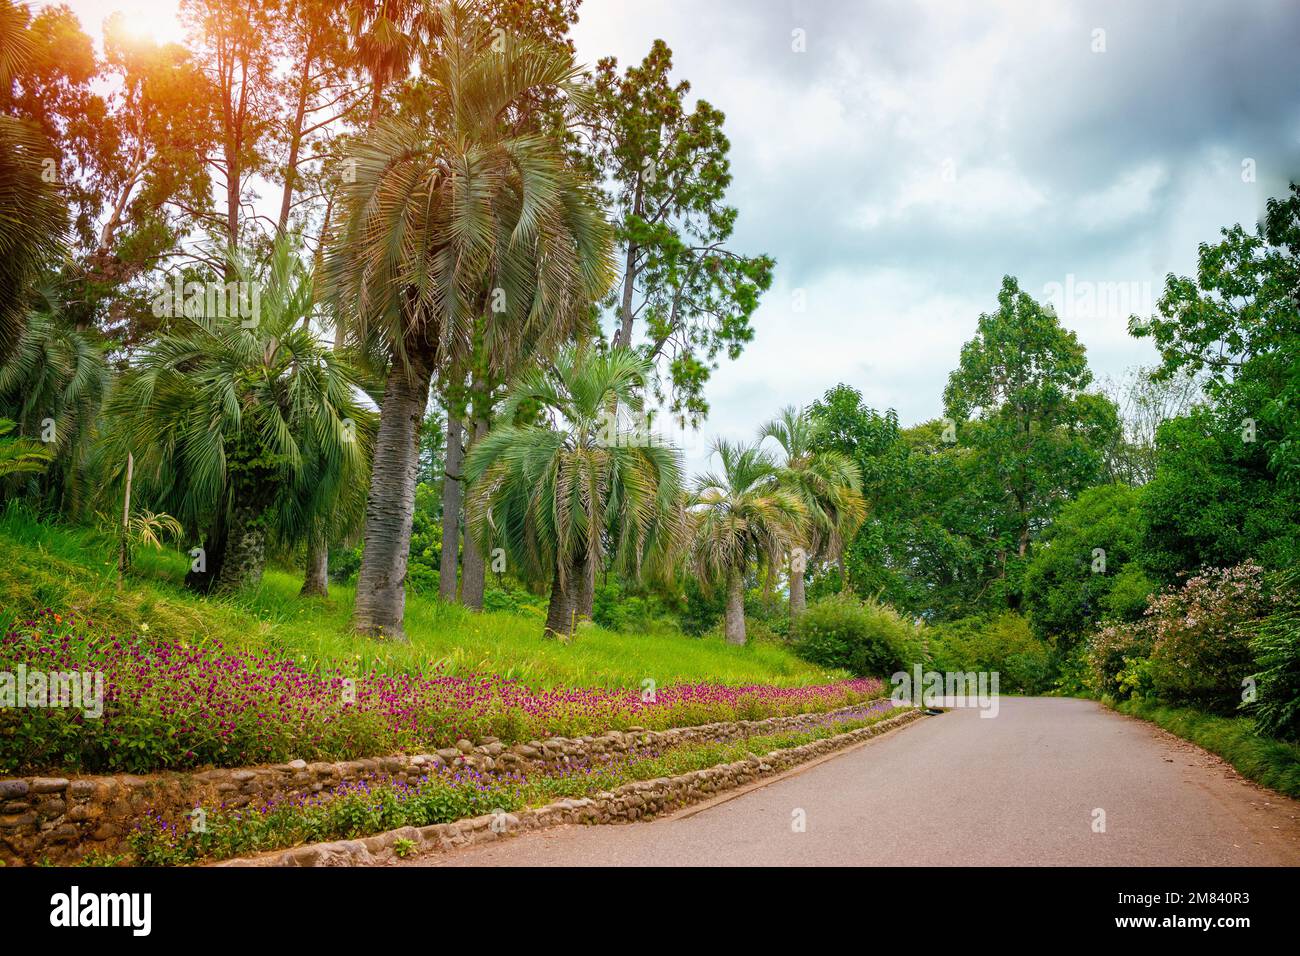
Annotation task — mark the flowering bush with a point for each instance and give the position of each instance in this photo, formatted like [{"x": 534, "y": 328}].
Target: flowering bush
[
  {"x": 1192, "y": 644},
  {"x": 167, "y": 704}
]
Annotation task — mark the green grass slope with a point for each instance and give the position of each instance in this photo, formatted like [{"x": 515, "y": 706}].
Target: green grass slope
[{"x": 70, "y": 569}]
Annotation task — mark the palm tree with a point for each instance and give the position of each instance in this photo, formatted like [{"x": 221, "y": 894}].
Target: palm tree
[
  {"x": 53, "y": 384},
  {"x": 739, "y": 515},
  {"x": 828, "y": 484},
  {"x": 554, "y": 494},
  {"x": 471, "y": 226},
  {"x": 231, "y": 418},
  {"x": 387, "y": 37}
]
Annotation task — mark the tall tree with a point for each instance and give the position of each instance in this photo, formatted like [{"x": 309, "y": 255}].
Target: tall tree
[
  {"x": 1017, "y": 400},
  {"x": 684, "y": 294},
  {"x": 1237, "y": 325},
  {"x": 237, "y": 44},
  {"x": 445, "y": 226}
]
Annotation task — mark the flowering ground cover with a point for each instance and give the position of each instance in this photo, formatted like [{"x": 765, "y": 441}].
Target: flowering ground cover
[
  {"x": 374, "y": 805},
  {"x": 173, "y": 705}
]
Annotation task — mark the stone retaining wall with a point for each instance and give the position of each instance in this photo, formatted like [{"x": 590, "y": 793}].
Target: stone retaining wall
[
  {"x": 60, "y": 820},
  {"x": 632, "y": 801}
]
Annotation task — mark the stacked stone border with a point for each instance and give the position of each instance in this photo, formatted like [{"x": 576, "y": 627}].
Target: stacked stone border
[
  {"x": 640, "y": 799},
  {"x": 59, "y": 820}
]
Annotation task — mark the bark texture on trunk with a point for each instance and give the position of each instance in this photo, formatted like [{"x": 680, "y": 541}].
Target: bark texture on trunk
[
  {"x": 241, "y": 565},
  {"x": 381, "y": 597},
  {"x": 316, "y": 582},
  {"x": 559, "y": 613},
  {"x": 449, "y": 560},
  {"x": 473, "y": 568},
  {"x": 735, "y": 619}
]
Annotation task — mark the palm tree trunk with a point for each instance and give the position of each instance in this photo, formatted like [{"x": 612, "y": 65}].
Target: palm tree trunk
[
  {"x": 381, "y": 595},
  {"x": 241, "y": 566},
  {"x": 473, "y": 567},
  {"x": 316, "y": 581},
  {"x": 559, "y": 615},
  {"x": 449, "y": 560},
  {"x": 798, "y": 599},
  {"x": 735, "y": 619}
]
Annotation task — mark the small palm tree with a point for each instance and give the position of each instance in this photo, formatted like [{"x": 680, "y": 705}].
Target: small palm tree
[
  {"x": 470, "y": 224},
  {"x": 739, "y": 515},
  {"x": 828, "y": 484},
  {"x": 554, "y": 494},
  {"x": 53, "y": 383},
  {"x": 231, "y": 417}
]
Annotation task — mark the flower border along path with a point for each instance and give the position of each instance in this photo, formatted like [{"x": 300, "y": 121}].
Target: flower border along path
[
  {"x": 639, "y": 799},
  {"x": 62, "y": 820}
]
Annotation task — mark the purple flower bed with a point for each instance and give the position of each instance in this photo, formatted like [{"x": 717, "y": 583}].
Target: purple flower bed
[{"x": 169, "y": 705}]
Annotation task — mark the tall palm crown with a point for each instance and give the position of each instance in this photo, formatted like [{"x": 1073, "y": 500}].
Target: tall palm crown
[
  {"x": 738, "y": 515},
  {"x": 468, "y": 236},
  {"x": 827, "y": 482},
  {"x": 236, "y": 421},
  {"x": 552, "y": 494},
  {"x": 471, "y": 218}
]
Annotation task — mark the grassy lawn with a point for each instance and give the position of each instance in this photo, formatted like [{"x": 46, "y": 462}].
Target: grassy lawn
[
  {"x": 1273, "y": 763},
  {"x": 75, "y": 570}
]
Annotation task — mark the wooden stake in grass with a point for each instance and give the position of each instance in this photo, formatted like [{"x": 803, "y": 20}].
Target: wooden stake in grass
[{"x": 124, "y": 554}]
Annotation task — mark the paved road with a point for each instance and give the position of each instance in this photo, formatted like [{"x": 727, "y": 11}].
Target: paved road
[{"x": 1016, "y": 789}]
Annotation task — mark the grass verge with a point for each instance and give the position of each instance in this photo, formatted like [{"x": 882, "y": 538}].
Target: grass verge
[{"x": 1273, "y": 763}]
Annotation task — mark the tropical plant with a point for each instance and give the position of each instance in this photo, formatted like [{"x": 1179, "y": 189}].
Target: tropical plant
[
  {"x": 737, "y": 516},
  {"x": 828, "y": 484},
  {"x": 237, "y": 421},
  {"x": 1276, "y": 646},
  {"x": 53, "y": 384},
  {"x": 465, "y": 236},
  {"x": 558, "y": 496},
  {"x": 33, "y": 216},
  {"x": 20, "y": 455}
]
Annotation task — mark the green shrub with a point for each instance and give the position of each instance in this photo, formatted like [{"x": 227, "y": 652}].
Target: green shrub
[
  {"x": 1201, "y": 653},
  {"x": 1109, "y": 652},
  {"x": 1002, "y": 642},
  {"x": 864, "y": 637},
  {"x": 1085, "y": 554},
  {"x": 1276, "y": 645}
]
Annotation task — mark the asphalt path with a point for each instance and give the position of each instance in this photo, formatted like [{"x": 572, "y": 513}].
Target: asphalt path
[{"x": 1047, "y": 781}]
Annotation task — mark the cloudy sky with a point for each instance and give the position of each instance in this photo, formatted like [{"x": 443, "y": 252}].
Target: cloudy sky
[
  {"x": 911, "y": 154},
  {"x": 916, "y": 153}
]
